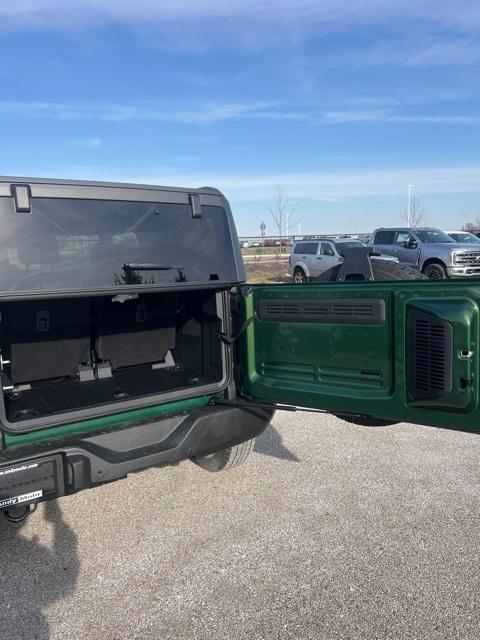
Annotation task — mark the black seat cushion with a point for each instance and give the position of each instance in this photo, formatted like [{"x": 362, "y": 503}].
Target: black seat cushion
[
  {"x": 48, "y": 338},
  {"x": 136, "y": 332}
]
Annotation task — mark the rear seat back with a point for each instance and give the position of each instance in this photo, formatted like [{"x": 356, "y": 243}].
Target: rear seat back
[
  {"x": 136, "y": 332},
  {"x": 48, "y": 338}
]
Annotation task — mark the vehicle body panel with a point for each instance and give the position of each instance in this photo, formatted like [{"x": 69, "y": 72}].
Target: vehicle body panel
[
  {"x": 112, "y": 454},
  {"x": 100, "y": 423},
  {"x": 321, "y": 255},
  {"x": 346, "y": 366},
  {"x": 459, "y": 260},
  {"x": 398, "y": 351}
]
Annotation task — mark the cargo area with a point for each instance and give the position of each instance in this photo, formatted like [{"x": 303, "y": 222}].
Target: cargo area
[{"x": 67, "y": 354}]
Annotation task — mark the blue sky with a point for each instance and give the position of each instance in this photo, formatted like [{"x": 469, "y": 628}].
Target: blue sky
[{"x": 341, "y": 103}]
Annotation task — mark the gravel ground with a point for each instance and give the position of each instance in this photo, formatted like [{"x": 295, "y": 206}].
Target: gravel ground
[{"x": 329, "y": 531}]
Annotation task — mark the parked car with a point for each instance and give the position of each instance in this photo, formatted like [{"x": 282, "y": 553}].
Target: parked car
[
  {"x": 430, "y": 250},
  {"x": 245, "y": 244},
  {"x": 463, "y": 237},
  {"x": 364, "y": 237},
  {"x": 129, "y": 339},
  {"x": 310, "y": 259}
]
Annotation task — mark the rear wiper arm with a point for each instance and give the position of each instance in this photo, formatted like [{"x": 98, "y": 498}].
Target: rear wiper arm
[
  {"x": 128, "y": 267},
  {"x": 149, "y": 266}
]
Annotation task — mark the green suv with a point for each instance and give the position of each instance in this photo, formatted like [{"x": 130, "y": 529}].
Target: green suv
[{"x": 128, "y": 338}]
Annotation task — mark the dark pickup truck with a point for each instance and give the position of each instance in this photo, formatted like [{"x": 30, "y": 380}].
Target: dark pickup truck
[{"x": 129, "y": 338}]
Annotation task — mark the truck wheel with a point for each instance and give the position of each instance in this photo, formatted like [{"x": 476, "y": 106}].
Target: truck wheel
[
  {"x": 299, "y": 275},
  {"x": 365, "y": 421},
  {"x": 227, "y": 458},
  {"x": 435, "y": 271}
]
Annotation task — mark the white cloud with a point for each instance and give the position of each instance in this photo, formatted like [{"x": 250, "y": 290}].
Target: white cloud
[
  {"x": 87, "y": 143},
  {"x": 379, "y": 115},
  {"x": 407, "y": 50},
  {"x": 213, "y": 113},
  {"x": 314, "y": 185},
  {"x": 410, "y": 33},
  {"x": 204, "y": 114},
  {"x": 47, "y": 14}
]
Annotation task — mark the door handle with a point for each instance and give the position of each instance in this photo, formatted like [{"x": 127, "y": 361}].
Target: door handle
[{"x": 319, "y": 257}]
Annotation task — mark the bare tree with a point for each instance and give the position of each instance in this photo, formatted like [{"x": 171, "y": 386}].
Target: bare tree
[
  {"x": 282, "y": 213},
  {"x": 417, "y": 214}
]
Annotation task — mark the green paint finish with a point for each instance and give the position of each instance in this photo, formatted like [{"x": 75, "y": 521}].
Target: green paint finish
[
  {"x": 363, "y": 368},
  {"x": 77, "y": 428}
]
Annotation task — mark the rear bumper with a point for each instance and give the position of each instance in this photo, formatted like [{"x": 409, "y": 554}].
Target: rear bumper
[{"x": 112, "y": 455}]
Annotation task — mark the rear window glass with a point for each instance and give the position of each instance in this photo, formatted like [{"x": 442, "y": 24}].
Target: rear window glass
[
  {"x": 384, "y": 237},
  {"x": 307, "y": 248},
  {"x": 69, "y": 244}
]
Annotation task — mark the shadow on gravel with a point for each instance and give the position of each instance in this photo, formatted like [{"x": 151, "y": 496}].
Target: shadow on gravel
[
  {"x": 270, "y": 443},
  {"x": 34, "y": 576}
]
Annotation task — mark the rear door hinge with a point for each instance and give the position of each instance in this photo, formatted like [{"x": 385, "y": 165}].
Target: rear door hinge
[
  {"x": 195, "y": 205},
  {"x": 21, "y": 196}
]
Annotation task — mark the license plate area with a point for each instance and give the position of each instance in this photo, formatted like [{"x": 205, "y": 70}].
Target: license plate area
[{"x": 29, "y": 481}]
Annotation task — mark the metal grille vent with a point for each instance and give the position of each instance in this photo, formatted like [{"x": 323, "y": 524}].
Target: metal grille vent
[
  {"x": 467, "y": 258},
  {"x": 347, "y": 311},
  {"x": 279, "y": 308},
  {"x": 358, "y": 310},
  {"x": 430, "y": 356}
]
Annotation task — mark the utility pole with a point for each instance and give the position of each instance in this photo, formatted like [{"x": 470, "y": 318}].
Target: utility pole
[{"x": 409, "y": 209}]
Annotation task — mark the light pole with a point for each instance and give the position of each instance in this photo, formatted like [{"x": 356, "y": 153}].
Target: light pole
[{"x": 409, "y": 206}]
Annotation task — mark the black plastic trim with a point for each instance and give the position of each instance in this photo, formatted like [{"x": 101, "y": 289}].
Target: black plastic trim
[
  {"x": 21, "y": 196},
  {"x": 44, "y": 473},
  {"x": 195, "y": 205},
  {"x": 429, "y": 356},
  {"x": 366, "y": 311},
  {"x": 101, "y": 458},
  {"x": 115, "y": 291}
]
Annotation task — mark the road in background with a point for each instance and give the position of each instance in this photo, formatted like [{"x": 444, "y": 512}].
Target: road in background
[{"x": 329, "y": 531}]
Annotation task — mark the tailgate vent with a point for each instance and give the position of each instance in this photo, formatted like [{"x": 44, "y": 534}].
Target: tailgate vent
[
  {"x": 344, "y": 311},
  {"x": 429, "y": 357}
]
